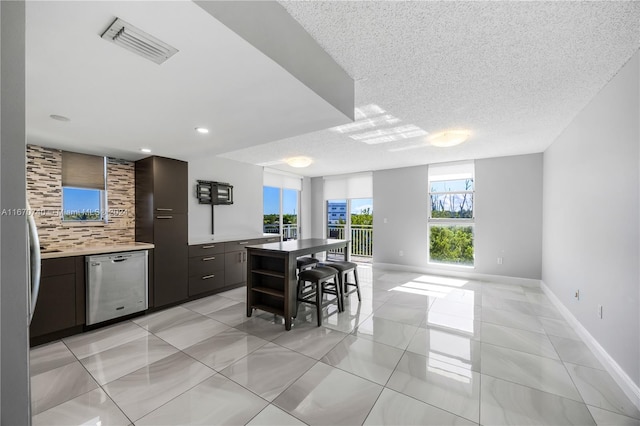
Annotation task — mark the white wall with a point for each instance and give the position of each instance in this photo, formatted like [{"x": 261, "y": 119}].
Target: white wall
[
  {"x": 244, "y": 216},
  {"x": 305, "y": 209},
  {"x": 508, "y": 210},
  {"x": 401, "y": 196},
  {"x": 317, "y": 208},
  {"x": 590, "y": 218}
]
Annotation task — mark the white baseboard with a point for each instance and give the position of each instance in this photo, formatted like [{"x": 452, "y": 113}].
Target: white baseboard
[
  {"x": 623, "y": 380},
  {"x": 501, "y": 279}
]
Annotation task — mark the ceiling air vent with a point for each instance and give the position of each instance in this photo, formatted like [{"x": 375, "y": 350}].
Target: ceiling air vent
[{"x": 134, "y": 39}]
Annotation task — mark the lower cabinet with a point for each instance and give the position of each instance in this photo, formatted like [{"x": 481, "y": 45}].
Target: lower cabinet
[
  {"x": 206, "y": 268},
  {"x": 170, "y": 263},
  {"x": 60, "y": 307}
]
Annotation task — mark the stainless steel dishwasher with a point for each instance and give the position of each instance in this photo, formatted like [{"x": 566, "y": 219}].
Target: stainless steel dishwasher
[{"x": 116, "y": 285}]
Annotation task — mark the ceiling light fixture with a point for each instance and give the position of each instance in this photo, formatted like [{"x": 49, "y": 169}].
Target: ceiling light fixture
[
  {"x": 299, "y": 162},
  {"x": 60, "y": 117},
  {"x": 202, "y": 130},
  {"x": 145, "y": 150},
  {"x": 449, "y": 138}
]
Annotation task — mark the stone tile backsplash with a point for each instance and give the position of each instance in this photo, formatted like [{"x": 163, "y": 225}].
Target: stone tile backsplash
[{"x": 44, "y": 191}]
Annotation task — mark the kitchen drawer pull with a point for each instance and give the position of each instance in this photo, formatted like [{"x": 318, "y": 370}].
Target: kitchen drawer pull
[
  {"x": 164, "y": 210},
  {"x": 204, "y": 259},
  {"x": 208, "y": 247},
  {"x": 164, "y": 217},
  {"x": 206, "y": 277},
  {"x": 243, "y": 242}
]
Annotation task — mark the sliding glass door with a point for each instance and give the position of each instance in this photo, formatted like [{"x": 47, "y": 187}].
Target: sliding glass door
[
  {"x": 281, "y": 207},
  {"x": 352, "y": 219}
]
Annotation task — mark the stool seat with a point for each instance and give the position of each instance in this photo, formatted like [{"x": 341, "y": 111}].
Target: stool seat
[
  {"x": 319, "y": 280},
  {"x": 316, "y": 274},
  {"x": 344, "y": 268},
  {"x": 306, "y": 262}
]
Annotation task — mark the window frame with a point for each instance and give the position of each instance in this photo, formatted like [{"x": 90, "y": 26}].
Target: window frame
[{"x": 103, "y": 219}]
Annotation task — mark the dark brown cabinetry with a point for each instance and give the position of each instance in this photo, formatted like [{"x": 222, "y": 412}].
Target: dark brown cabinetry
[
  {"x": 206, "y": 268},
  {"x": 235, "y": 259},
  {"x": 60, "y": 309},
  {"x": 161, "y": 219}
]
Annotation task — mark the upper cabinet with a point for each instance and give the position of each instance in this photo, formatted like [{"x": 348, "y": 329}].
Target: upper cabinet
[{"x": 163, "y": 183}]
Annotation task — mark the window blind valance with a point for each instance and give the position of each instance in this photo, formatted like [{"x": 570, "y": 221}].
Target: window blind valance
[
  {"x": 451, "y": 171},
  {"x": 83, "y": 171},
  {"x": 348, "y": 186},
  {"x": 278, "y": 179}
]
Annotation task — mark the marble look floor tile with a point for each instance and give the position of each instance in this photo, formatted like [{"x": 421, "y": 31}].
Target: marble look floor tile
[
  {"x": 453, "y": 324},
  {"x": 365, "y": 358},
  {"x": 464, "y": 310},
  {"x": 512, "y": 319},
  {"x": 311, "y": 340},
  {"x": 447, "y": 347},
  {"x": 353, "y": 315},
  {"x": 506, "y": 403},
  {"x": 545, "y": 374},
  {"x": 113, "y": 363},
  {"x": 399, "y": 313},
  {"x": 87, "y": 344},
  {"x": 575, "y": 352},
  {"x": 59, "y": 385},
  {"x": 47, "y": 357},
  {"x": 600, "y": 390},
  {"x": 492, "y": 297},
  {"x": 328, "y": 396},
  {"x": 264, "y": 327},
  {"x": 187, "y": 333},
  {"x": 394, "y": 408},
  {"x": 165, "y": 319},
  {"x": 452, "y": 388},
  {"x": 146, "y": 389},
  {"x": 238, "y": 294},
  {"x": 91, "y": 408},
  {"x": 520, "y": 340},
  {"x": 209, "y": 304},
  {"x": 503, "y": 288},
  {"x": 559, "y": 327},
  {"x": 222, "y": 350},
  {"x": 273, "y": 416},
  {"x": 217, "y": 400},
  {"x": 527, "y": 308},
  {"x": 269, "y": 370},
  {"x": 384, "y": 331},
  {"x": 406, "y": 295},
  {"x": 232, "y": 316},
  {"x": 609, "y": 418},
  {"x": 540, "y": 298}
]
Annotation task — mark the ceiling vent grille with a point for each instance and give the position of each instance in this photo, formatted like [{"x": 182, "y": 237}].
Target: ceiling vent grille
[{"x": 137, "y": 41}]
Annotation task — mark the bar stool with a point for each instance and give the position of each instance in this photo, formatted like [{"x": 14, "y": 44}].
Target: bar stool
[
  {"x": 306, "y": 262},
  {"x": 318, "y": 279},
  {"x": 344, "y": 268}
]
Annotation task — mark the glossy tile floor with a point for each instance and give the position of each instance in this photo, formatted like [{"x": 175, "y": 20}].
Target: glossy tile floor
[{"x": 418, "y": 350}]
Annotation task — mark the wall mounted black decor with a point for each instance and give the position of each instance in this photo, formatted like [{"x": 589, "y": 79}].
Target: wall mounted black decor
[{"x": 214, "y": 193}]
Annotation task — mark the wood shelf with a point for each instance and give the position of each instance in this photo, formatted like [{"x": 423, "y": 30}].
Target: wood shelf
[
  {"x": 269, "y": 291},
  {"x": 268, "y": 273}
]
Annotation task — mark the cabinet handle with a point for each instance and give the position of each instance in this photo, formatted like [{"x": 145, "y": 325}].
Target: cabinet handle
[
  {"x": 244, "y": 256},
  {"x": 208, "y": 247},
  {"x": 206, "y": 277},
  {"x": 243, "y": 242},
  {"x": 204, "y": 259},
  {"x": 163, "y": 210},
  {"x": 164, "y": 217}
]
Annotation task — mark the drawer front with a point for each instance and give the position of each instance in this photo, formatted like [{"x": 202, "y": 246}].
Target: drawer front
[
  {"x": 274, "y": 239},
  {"x": 204, "y": 283},
  {"x": 206, "y": 249},
  {"x": 206, "y": 264},
  {"x": 60, "y": 266},
  {"x": 240, "y": 244}
]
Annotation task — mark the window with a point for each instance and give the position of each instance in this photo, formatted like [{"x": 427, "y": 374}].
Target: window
[
  {"x": 451, "y": 215},
  {"x": 281, "y": 204},
  {"x": 83, "y": 187}
]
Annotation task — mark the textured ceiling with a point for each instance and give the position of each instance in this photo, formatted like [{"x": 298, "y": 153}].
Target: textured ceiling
[{"x": 513, "y": 73}]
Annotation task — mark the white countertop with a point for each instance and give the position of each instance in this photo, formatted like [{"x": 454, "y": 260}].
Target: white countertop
[
  {"x": 227, "y": 238},
  {"x": 89, "y": 250}
]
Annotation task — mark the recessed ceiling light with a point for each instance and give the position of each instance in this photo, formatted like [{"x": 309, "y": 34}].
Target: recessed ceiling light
[
  {"x": 145, "y": 150},
  {"x": 449, "y": 138},
  {"x": 299, "y": 161},
  {"x": 202, "y": 130},
  {"x": 60, "y": 117}
]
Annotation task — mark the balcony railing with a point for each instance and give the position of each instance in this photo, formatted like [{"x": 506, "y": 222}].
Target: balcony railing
[
  {"x": 289, "y": 230},
  {"x": 361, "y": 238}
]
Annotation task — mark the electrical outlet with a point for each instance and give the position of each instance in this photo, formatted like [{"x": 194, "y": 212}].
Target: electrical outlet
[
  {"x": 600, "y": 311},
  {"x": 400, "y": 253},
  {"x": 499, "y": 261},
  {"x": 577, "y": 295}
]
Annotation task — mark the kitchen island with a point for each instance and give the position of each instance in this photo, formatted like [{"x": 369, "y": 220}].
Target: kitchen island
[{"x": 271, "y": 273}]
